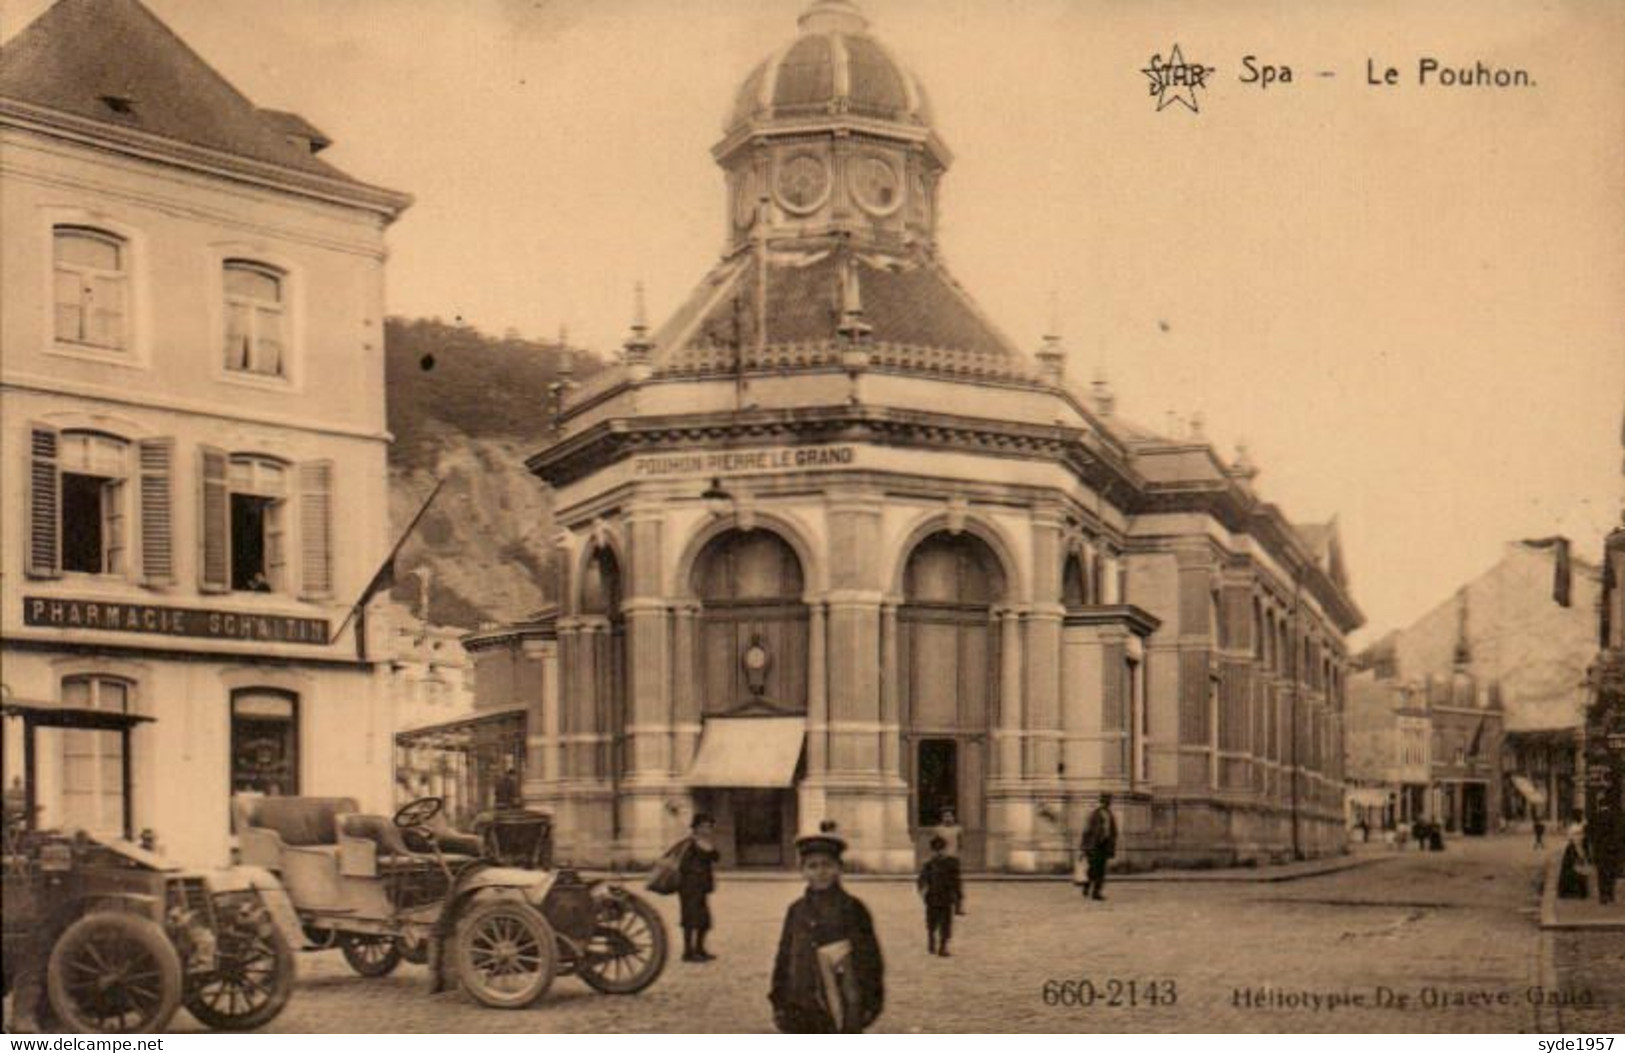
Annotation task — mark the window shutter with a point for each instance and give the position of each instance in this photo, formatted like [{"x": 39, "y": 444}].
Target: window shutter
[
  {"x": 316, "y": 528},
  {"x": 157, "y": 464},
  {"x": 44, "y": 503},
  {"x": 214, "y": 525}
]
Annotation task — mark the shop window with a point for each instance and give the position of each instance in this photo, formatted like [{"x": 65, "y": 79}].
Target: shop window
[
  {"x": 256, "y": 319},
  {"x": 265, "y": 742},
  {"x": 82, "y": 771},
  {"x": 90, "y": 287}
]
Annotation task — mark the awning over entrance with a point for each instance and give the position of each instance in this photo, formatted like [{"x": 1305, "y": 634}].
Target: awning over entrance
[
  {"x": 749, "y": 752},
  {"x": 1368, "y": 796},
  {"x": 1530, "y": 791}
]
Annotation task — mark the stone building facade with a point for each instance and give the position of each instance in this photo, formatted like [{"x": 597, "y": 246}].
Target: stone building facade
[
  {"x": 1523, "y": 632},
  {"x": 191, "y": 328},
  {"x": 831, "y": 548}
]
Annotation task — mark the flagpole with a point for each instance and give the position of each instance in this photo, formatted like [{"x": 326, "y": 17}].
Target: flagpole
[{"x": 357, "y": 611}]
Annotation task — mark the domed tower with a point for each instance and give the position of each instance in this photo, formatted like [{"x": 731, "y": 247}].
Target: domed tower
[
  {"x": 832, "y": 170},
  {"x": 831, "y": 135}
]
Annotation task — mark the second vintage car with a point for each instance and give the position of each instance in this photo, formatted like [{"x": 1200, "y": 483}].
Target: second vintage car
[{"x": 485, "y": 910}]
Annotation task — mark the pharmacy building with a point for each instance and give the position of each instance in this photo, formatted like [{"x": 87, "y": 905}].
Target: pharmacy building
[
  {"x": 193, "y": 487},
  {"x": 831, "y": 548}
]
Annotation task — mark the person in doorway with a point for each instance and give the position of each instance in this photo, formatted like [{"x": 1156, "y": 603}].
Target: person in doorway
[
  {"x": 696, "y": 880},
  {"x": 1540, "y": 832},
  {"x": 948, "y": 829},
  {"x": 1098, "y": 846},
  {"x": 828, "y": 977},
  {"x": 944, "y": 893}
]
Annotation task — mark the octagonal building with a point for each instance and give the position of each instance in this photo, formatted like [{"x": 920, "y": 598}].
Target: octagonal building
[{"x": 831, "y": 547}]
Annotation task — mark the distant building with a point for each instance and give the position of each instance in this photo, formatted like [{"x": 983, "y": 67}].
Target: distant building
[
  {"x": 192, "y": 491},
  {"x": 831, "y": 547},
  {"x": 1500, "y": 672}
]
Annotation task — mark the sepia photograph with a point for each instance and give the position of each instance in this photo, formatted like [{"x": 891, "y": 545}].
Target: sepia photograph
[{"x": 812, "y": 516}]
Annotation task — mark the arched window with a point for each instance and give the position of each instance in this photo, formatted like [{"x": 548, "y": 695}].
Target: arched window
[
  {"x": 949, "y": 643},
  {"x": 91, "y": 287},
  {"x": 753, "y": 623},
  {"x": 258, "y": 494},
  {"x": 256, "y": 319},
  {"x": 93, "y": 468},
  {"x": 1074, "y": 583}
]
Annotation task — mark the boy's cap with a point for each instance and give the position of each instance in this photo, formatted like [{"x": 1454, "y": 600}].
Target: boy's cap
[
  {"x": 701, "y": 819},
  {"x": 826, "y": 844}
]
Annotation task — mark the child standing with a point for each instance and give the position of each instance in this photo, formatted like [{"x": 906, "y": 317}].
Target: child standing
[
  {"x": 944, "y": 896},
  {"x": 696, "y": 881},
  {"x": 828, "y": 976}
]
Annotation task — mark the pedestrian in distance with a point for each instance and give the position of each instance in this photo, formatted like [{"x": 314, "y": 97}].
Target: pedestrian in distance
[
  {"x": 944, "y": 893},
  {"x": 952, "y": 836},
  {"x": 1098, "y": 846},
  {"x": 1540, "y": 832},
  {"x": 695, "y": 882},
  {"x": 828, "y": 977}
]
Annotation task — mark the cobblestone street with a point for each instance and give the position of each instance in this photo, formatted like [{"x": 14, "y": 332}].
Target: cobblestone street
[{"x": 1430, "y": 943}]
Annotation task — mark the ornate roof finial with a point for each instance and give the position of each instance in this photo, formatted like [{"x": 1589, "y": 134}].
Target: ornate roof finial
[
  {"x": 1051, "y": 354},
  {"x": 638, "y": 345},
  {"x": 852, "y": 326},
  {"x": 1101, "y": 392},
  {"x": 567, "y": 355},
  {"x": 832, "y": 16},
  {"x": 1243, "y": 467}
]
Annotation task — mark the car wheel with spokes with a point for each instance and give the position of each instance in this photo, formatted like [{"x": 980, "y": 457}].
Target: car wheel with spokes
[
  {"x": 114, "y": 973},
  {"x": 414, "y": 949},
  {"x": 253, "y": 975},
  {"x": 504, "y": 953},
  {"x": 370, "y": 955},
  {"x": 627, "y": 949}
]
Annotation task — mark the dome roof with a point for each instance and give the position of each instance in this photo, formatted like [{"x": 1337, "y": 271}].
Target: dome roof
[{"x": 833, "y": 66}]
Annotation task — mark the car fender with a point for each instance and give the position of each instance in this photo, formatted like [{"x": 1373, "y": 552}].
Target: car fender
[{"x": 271, "y": 894}]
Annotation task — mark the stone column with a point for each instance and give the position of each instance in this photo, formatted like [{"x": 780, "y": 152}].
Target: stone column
[
  {"x": 890, "y": 700},
  {"x": 647, "y": 824},
  {"x": 812, "y": 805},
  {"x": 1010, "y": 809},
  {"x": 686, "y": 721},
  {"x": 870, "y": 806},
  {"x": 1011, "y": 720}
]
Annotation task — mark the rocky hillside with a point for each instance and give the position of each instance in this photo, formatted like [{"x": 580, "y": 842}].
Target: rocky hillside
[{"x": 469, "y": 408}]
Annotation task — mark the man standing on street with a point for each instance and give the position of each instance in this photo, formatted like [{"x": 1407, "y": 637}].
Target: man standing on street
[{"x": 1098, "y": 846}]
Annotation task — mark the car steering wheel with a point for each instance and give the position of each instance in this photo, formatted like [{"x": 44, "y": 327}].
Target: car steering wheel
[{"x": 418, "y": 813}]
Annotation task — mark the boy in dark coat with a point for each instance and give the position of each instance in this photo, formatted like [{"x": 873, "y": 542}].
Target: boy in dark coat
[
  {"x": 828, "y": 976},
  {"x": 1098, "y": 846},
  {"x": 944, "y": 896},
  {"x": 695, "y": 882}
]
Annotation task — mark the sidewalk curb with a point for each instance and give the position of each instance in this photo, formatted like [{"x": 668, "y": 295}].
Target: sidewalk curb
[
  {"x": 1548, "y": 907},
  {"x": 1236, "y": 875}
]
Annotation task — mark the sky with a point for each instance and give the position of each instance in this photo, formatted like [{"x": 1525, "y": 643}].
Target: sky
[{"x": 1407, "y": 300}]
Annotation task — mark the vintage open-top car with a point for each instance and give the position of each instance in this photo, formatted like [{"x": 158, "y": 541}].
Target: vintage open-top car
[
  {"x": 100, "y": 934},
  {"x": 486, "y": 910}
]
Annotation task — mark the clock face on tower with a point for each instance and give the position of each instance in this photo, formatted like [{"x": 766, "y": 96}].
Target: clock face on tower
[
  {"x": 876, "y": 186},
  {"x": 803, "y": 183}
]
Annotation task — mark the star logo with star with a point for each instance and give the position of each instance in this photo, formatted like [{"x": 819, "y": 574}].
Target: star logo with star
[{"x": 1175, "y": 80}]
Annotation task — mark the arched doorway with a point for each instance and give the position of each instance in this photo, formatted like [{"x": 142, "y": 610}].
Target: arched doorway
[
  {"x": 949, "y": 668},
  {"x": 752, "y": 672}
]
